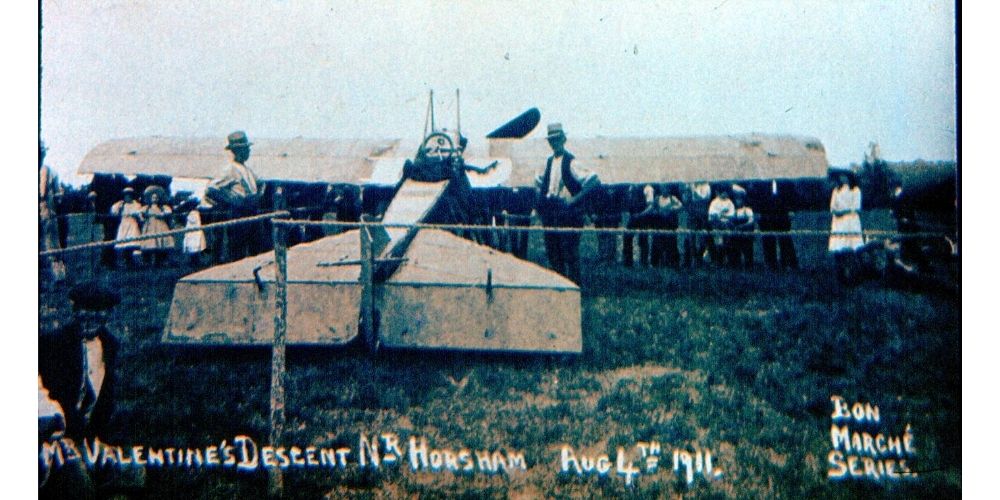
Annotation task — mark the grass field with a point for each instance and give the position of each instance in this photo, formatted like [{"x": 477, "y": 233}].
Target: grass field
[{"x": 739, "y": 363}]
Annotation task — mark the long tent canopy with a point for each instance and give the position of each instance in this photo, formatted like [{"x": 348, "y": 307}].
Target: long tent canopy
[{"x": 380, "y": 162}]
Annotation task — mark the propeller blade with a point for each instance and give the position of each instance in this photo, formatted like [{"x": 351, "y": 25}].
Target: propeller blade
[{"x": 519, "y": 127}]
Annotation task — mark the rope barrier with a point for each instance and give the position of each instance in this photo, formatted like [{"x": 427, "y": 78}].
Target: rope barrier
[
  {"x": 273, "y": 216},
  {"x": 173, "y": 232},
  {"x": 176, "y": 217},
  {"x": 614, "y": 230}
]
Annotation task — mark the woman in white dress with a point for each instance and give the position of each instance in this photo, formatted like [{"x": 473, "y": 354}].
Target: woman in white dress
[
  {"x": 845, "y": 226},
  {"x": 130, "y": 211},
  {"x": 157, "y": 215}
]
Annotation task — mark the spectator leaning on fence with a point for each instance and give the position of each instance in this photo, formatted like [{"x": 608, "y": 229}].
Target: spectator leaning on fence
[
  {"x": 562, "y": 188},
  {"x": 720, "y": 218},
  {"x": 697, "y": 197},
  {"x": 640, "y": 217},
  {"x": 845, "y": 226},
  {"x": 740, "y": 251},
  {"x": 130, "y": 213},
  {"x": 664, "y": 247}
]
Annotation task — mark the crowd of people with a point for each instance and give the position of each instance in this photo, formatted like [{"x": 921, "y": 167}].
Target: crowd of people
[
  {"x": 708, "y": 217},
  {"x": 137, "y": 208},
  {"x": 722, "y": 222},
  {"x": 149, "y": 215}
]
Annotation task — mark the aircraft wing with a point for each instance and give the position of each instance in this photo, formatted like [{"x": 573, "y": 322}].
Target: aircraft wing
[
  {"x": 334, "y": 161},
  {"x": 450, "y": 293},
  {"x": 307, "y": 160},
  {"x": 631, "y": 160},
  {"x": 623, "y": 160}
]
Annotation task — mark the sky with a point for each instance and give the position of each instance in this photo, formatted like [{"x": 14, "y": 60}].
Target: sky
[{"x": 845, "y": 72}]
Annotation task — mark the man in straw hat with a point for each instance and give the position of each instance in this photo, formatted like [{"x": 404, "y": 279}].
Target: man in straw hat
[
  {"x": 562, "y": 189},
  {"x": 237, "y": 187},
  {"x": 236, "y": 194}
]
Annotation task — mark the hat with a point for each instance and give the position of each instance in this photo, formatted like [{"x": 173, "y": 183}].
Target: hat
[
  {"x": 93, "y": 296},
  {"x": 154, "y": 188},
  {"x": 128, "y": 190},
  {"x": 238, "y": 139},
  {"x": 555, "y": 130},
  {"x": 738, "y": 190}
]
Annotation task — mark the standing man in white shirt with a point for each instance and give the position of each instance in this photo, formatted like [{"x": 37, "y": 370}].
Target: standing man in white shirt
[
  {"x": 562, "y": 189},
  {"x": 237, "y": 193}
]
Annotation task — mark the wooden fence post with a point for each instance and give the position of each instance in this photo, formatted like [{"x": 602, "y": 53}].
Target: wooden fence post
[
  {"x": 95, "y": 253},
  {"x": 279, "y": 232},
  {"x": 367, "y": 292}
]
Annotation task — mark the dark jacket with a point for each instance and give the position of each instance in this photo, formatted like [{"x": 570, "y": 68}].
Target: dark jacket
[
  {"x": 61, "y": 366},
  {"x": 573, "y": 184}
]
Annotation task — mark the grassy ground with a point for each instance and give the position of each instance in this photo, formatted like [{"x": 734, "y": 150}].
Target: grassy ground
[{"x": 740, "y": 363}]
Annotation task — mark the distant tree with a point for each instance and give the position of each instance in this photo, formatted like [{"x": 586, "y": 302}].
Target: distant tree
[{"x": 876, "y": 180}]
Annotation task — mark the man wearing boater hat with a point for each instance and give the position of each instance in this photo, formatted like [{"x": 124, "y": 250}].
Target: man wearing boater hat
[
  {"x": 237, "y": 192},
  {"x": 562, "y": 188},
  {"x": 238, "y": 182}
]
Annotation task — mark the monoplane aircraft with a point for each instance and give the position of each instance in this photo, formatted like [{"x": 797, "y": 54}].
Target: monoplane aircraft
[{"x": 433, "y": 289}]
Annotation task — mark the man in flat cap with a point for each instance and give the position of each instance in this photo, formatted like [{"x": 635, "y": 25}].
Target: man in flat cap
[
  {"x": 76, "y": 362},
  {"x": 562, "y": 189},
  {"x": 237, "y": 193},
  {"x": 76, "y": 378}
]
